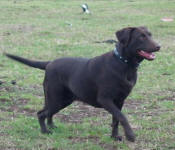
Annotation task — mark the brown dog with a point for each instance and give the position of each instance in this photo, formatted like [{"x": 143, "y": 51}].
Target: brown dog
[{"x": 103, "y": 81}]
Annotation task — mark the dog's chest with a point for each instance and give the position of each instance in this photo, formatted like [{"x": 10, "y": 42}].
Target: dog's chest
[{"x": 130, "y": 78}]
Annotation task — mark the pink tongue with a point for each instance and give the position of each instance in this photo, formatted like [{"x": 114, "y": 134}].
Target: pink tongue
[{"x": 146, "y": 55}]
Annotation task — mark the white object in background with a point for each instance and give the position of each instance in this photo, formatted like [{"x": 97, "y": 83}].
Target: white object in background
[
  {"x": 85, "y": 8},
  {"x": 167, "y": 19}
]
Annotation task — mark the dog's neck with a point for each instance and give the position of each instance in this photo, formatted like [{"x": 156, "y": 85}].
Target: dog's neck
[{"x": 130, "y": 61}]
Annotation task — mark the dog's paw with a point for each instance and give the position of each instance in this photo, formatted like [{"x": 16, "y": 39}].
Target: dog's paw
[
  {"x": 52, "y": 126},
  {"x": 46, "y": 131},
  {"x": 130, "y": 136}
]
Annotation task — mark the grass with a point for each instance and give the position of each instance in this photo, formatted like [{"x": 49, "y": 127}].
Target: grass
[{"x": 42, "y": 30}]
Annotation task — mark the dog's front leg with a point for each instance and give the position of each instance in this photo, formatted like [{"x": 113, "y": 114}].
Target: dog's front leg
[
  {"x": 109, "y": 105},
  {"x": 115, "y": 122},
  {"x": 115, "y": 134}
]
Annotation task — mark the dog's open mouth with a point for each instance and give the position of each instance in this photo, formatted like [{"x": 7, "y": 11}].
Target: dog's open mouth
[{"x": 147, "y": 55}]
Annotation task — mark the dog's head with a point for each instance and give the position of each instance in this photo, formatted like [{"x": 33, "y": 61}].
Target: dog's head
[{"x": 137, "y": 42}]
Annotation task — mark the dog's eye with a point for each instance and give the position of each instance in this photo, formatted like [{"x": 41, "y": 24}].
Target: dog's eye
[
  {"x": 142, "y": 37},
  {"x": 149, "y": 34}
]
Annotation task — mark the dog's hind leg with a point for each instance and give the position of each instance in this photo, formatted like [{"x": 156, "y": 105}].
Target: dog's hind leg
[
  {"x": 42, "y": 114},
  {"x": 57, "y": 97},
  {"x": 50, "y": 121},
  {"x": 49, "y": 115},
  {"x": 60, "y": 97},
  {"x": 56, "y": 108}
]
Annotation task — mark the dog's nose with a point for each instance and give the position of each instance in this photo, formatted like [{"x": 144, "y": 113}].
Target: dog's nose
[{"x": 158, "y": 47}]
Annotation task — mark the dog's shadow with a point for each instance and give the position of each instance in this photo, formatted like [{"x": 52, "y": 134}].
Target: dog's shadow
[{"x": 110, "y": 41}]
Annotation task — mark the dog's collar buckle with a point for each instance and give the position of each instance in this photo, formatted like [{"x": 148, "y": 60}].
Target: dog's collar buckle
[
  {"x": 118, "y": 55},
  {"x": 135, "y": 65}
]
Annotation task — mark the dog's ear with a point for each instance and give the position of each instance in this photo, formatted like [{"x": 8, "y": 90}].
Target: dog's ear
[
  {"x": 143, "y": 28},
  {"x": 124, "y": 35}
]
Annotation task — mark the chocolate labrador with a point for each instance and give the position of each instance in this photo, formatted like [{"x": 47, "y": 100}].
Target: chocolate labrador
[{"x": 103, "y": 81}]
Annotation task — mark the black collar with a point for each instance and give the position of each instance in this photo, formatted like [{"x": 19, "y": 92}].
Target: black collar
[
  {"x": 119, "y": 56},
  {"x": 135, "y": 65}
]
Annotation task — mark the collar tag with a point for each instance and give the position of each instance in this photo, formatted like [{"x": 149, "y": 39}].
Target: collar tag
[
  {"x": 135, "y": 65},
  {"x": 118, "y": 55}
]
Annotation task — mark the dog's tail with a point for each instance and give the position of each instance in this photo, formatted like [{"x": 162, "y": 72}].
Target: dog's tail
[{"x": 36, "y": 64}]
